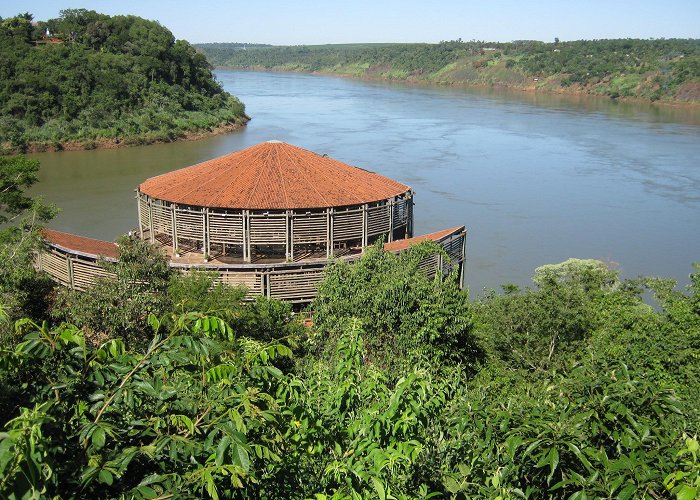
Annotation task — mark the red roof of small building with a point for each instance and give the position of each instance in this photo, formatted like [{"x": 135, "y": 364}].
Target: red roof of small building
[
  {"x": 81, "y": 244},
  {"x": 399, "y": 245},
  {"x": 272, "y": 176}
]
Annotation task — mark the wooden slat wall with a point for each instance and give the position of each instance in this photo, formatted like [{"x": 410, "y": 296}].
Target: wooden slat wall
[
  {"x": 295, "y": 286},
  {"x": 400, "y": 213},
  {"x": 429, "y": 265},
  {"x": 252, "y": 281},
  {"x": 310, "y": 228},
  {"x": 189, "y": 224},
  {"x": 144, "y": 217},
  {"x": 162, "y": 219},
  {"x": 226, "y": 228},
  {"x": 378, "y": 220},
  {"x": 56, "y": 264},
  {"x": 85, "y": 273},
  {"x": 60, "y": 267},
  {"x": 454, "y": 247},
  {"x": 347, "y": 225},
  {"x": 266, "y": 230}
]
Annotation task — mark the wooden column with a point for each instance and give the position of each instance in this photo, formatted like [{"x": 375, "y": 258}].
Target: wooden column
[
  {"x": 409, "y": 222},
  {"x": 464, "y": 259},
  {"x": 150, "y": 221},
  {"x": 174, "y": 230},
  {"x": 69, "y": 263},
  {"x": 391, "y": 218},
  {"x": 365, "y": 230},
  {"x": 205, "y": 231},
  {"x": 138, "y": 204},
  {"x": 288, "y": 239},
  {"x": 329, "y": 239},
  {"x": 246, "y": 236}
]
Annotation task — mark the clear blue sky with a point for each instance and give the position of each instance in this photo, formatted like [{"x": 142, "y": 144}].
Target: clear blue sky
[{"x": 326, "y": 21}]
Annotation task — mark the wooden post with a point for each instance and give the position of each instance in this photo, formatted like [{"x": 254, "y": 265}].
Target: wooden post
[
  {"x": 329, "y": 239},
  {"x": 289, "y": 236},
  {"x": 391, "y": 219},
  {"x": 69, "y": 263},
  {"x": 365, "y": 230},
  {"x": 150, "y": 221},
  {"x": 138, "y": 204},
  {"x": 205, "y": 232},
  {"x": 174, "y": 225},
  {"x": 464, "y": 259},
  {"x": 246, "y": 236},
  {"x": 409, "y": 222}
]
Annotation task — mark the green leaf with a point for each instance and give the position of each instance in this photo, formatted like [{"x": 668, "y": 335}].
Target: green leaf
[
  {"x": 627, "y": 492},
  {"x": 221, "y": 450},
  {"x": 686, "y": 493},
  {"x": 106, "y": 477},
  {"x": 532, "y": 446},
  {"x": 451, "y": 485},
  {"x": 147, "y": 492},
  {"x": 98, "y": 438},
  {"x": 239, "y": 456},
  {"x": 379, "y": 488},
  {"x": 553, "y": 463}
]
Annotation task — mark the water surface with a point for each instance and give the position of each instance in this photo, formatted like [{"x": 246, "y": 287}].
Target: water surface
[{"x": 536, "y": 179}]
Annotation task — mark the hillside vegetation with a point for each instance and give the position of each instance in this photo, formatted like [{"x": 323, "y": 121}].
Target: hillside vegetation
[
  {"x": 666, "y": 70},
  {"x": 161, "y": 385},
  {"x": 92, "y": 79}
]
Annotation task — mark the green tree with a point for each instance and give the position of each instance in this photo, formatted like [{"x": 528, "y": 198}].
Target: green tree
[
  {"x": 540, "y": 329},
  {"x": 118, "y": 306},
  {"x": 405, "y": 315},
  {"x": 23, "y": 291}
]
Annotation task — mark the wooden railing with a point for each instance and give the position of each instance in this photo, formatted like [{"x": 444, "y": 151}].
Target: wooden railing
[{"x": 290, "y": 281}]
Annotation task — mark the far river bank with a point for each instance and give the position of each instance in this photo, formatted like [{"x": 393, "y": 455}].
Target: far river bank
[
  {"x": 572, "y": 91},
  {"x": 121, "y": 142}
]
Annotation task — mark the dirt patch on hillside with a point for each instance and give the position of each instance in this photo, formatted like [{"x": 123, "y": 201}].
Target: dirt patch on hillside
[{"x": 689, "y": 91}]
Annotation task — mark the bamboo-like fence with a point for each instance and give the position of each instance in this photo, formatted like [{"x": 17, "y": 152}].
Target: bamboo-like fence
[
  {"x": 293, "y": 281},
  {"x": 282, "y": 234}
]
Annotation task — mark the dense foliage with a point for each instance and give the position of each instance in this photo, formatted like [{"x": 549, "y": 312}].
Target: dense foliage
[
  {"x": 650, "y": 69},
  {"x": 406, "y": 317},
  {"x": 401, "y": 388},
  {"x": 23, "y": 291},
  {"x": 90, "y": 78}
]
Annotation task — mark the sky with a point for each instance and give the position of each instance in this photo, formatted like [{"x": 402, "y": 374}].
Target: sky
[{"x": 305, "y": 22}]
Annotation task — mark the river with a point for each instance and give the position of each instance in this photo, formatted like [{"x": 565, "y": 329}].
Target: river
[{"x": 535, "y": 178}]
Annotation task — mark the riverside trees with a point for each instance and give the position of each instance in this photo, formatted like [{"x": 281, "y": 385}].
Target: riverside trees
[
  {"x": 99, "y": 77},
  {"x": 260, "y": 407}
]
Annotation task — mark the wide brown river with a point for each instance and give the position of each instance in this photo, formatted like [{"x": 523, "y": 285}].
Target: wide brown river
[{"x": 536, "y": 179}]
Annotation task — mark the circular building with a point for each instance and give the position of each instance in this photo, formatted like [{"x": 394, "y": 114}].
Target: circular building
[
  {"x": 272, "y": 203},
  {"x": 268, "y": 217}
]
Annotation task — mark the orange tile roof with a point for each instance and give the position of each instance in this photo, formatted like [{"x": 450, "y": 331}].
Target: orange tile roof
[
  {"x": 272, "y": 175},
  {"x": 398, "y": 245},
  {"x": 80, "y": 244}
]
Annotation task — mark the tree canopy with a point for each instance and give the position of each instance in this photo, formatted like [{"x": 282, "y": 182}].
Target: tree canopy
[
  {"x": 651, "y": 69},
  {"x": 95, "y": 77}
]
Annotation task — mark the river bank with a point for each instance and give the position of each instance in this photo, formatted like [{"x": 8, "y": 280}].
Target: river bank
[
  {"x": 536, "y": 87},
  {"x": 121, "y": 142}
]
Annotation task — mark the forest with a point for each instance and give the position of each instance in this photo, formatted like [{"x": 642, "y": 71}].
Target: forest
[
  {"x": 86, "y": 79},
  {"x": 657, "y": 69},
  {"x": 391, "y": 385}
]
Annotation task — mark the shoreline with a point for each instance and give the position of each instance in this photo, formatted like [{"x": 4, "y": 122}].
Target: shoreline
[
  {"x": 116, "y": 142},
  {"x": 570, "y": 91}
]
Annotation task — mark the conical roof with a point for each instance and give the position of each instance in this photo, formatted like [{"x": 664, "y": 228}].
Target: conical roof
[{"x": 271, "y": 176}]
